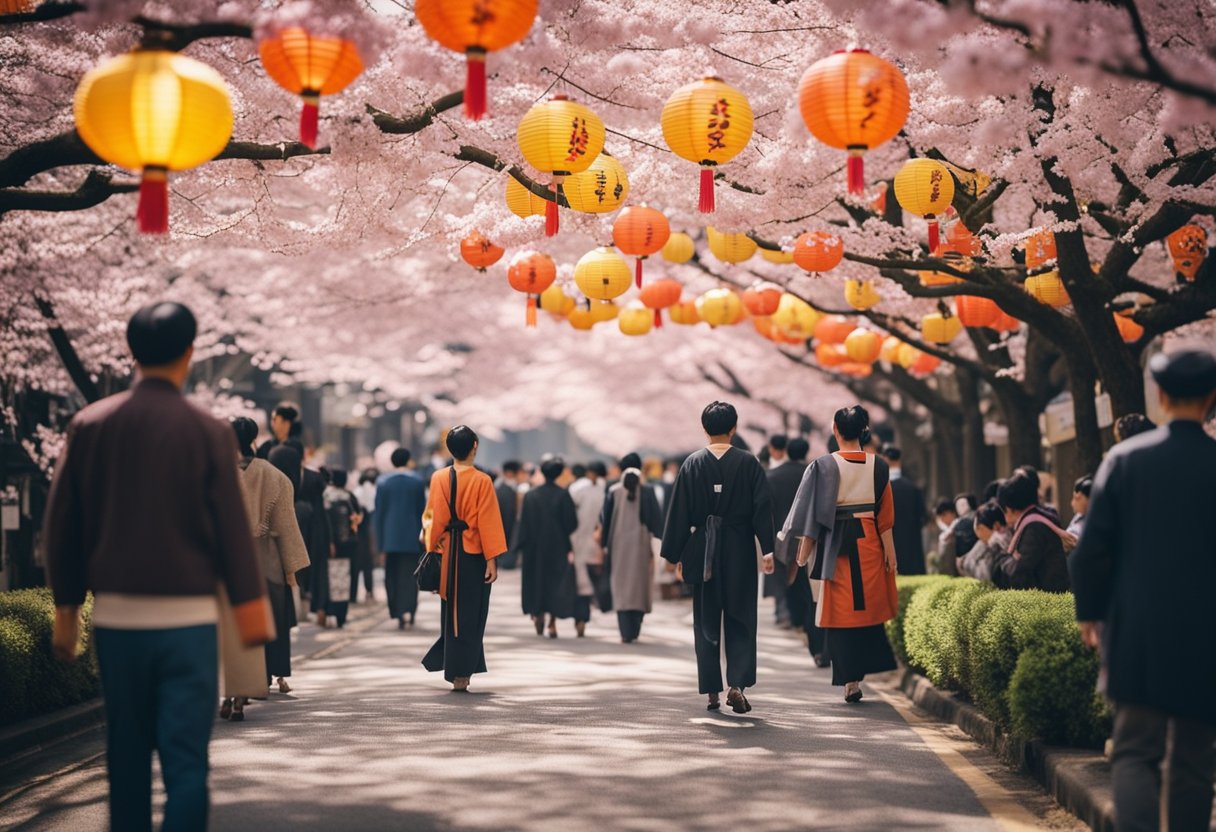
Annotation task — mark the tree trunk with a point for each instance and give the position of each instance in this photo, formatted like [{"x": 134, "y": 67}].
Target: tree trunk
[
  {"x": 1081, "y": 379},
  {"x": 1022, "y": 420}
]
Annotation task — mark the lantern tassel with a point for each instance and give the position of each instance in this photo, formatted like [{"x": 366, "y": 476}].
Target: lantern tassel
[
  {"x": 637, "y": 272},
  {"x": 658, "y": 318},
  {"x": 857, "y": 173},
  {"x": 531, "y": 318},
  {"x": 706, "y": 205},
  {"x": 309, "y": 116},
  {"x": 475, "y": 83},
  {"x": 551, "y": 210},
  {"x": 935, "y": 238},
  {"x": 153, "y": 210}
]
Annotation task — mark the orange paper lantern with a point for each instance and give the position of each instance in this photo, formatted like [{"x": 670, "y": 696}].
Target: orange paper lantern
[
  {"x": 659, "y": 295},
  {"x": 924, "y": 364},
  {"x": 818, "y": 251},
  {"x": 640, "y": 232},
  {"x": 684, "y": 313},
  {"x": 762, "y": 299},
  {"x": 310, "y": 66},
  {"x": 976, "y": 313},
  {"x": 1188, "y": 247},
  {"x": 831, "y": 355},
  {"x": 1006, "y": 323},
  {"x": 1129, "y": 330},
  {"x": 1040, "y": 250},
  {"x": 531, "y": 272},
  {"x": 864, "y": 346},
  {"x": 1047, "y": 288},
  {"x": 834, "y": 329},
  {"x": 479, "y": 252}
]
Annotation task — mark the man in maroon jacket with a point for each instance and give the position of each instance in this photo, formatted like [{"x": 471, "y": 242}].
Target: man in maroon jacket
[{"x": 146, "y": 512}]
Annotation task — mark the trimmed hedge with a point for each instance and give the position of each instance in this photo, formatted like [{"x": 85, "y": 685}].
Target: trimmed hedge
[
  {"x": 33, "y": 681},
  {"x": 907, "y": 586},
  {"x": 1016, "y": 653}
]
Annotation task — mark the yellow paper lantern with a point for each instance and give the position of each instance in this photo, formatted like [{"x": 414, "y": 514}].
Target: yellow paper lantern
[
  {"x": 795, "y": 317},
  {"x": 679, "y": 248},
  {"x": 906, "y": 355},
  {"x": 707, "y": 122},
  {"x": 720, "y": 307},
  {"x": 684, "y": 313},
  {"x": 1047, "y": 288},
  {"x": 555, "y": 301},
  {"x": 603, "y": 311},
  {"x": 863, "y": 346},
  {"x": 861, "y": 294},
  {"x": 925, "y": 187},
  {"x": 635, "y": 319},
  {"x": 522, "y": 202},
  {"x": 581, "y": 318},
  {"x": 781, "y": 258},
  {"x": 602, "y": 274},
  {"x": 730, "y": 247},
  {"x": 601, "y": 188},
  {"x": 560, "y": 137},
  {"x": 890, "y": 350},
  {"x": 940, "y": 329},
  {"x": 153, "y": 111}
]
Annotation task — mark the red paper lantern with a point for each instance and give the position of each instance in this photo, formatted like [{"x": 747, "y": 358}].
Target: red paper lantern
[
  {"x": 640, "y": 231},
  {"x": 479, "y": 252},
  {"x": 762, "y": 299},
  {"x": 1006, "y": 323},
  {"x": 1129, "y": 330},
  {"x": 976, "y": 313},
  {"x": 531, "y": 272},
  {"x": 1188, "y": 247},
  {"x": 818, "y": 251},
  {"x": 659, "y": 295},
  {"x": 831, "y": 355},
  {"x": 834, "y": 329}
]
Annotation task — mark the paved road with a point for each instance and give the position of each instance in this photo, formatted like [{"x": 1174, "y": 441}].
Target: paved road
[{"x": 561, "y": 733}]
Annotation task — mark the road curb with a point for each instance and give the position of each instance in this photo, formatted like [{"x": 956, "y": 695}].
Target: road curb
[{"x": 1078, "y": 779}]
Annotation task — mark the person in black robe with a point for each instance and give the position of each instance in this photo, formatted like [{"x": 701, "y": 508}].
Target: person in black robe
[
  {"x": 910, "y": 516},
  {"x": 506, "y": 489},
  {"x": 342, "y": 511},
  {"x": 784, "y": 480},
  {"x": 720, "y": 506},
  {"x": 314, "y": 525},
  {"x": 546, "y": 521},
  {"x": 284, "y": 425},
  {"x": 1142, "y": 576}
]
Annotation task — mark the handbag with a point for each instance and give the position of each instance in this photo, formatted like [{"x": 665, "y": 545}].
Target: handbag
[{"x": 430, "y": 567}]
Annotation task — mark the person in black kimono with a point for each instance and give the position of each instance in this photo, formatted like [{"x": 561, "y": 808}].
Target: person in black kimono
[
  {"x": 1142, "y": 576},
  {"x": 342, "y": 511},
  {"x": 784, "y": 480},
  {"x": 910, "y": 516},
  {"x": 506, "y": 489},
  {"x": 720, "y": 506},
  {"x": 546, "y": 521}
]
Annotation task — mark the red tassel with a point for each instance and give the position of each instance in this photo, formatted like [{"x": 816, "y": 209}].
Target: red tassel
[
  {"x": 637, "y": 272},
  {"x": 475, "y": 83},
  {"x": 531, "y": 312},
  {"x": 935, "y": 238},
  {"x": 153, "y": 211},
  {"x": 658, "y": 316},
  {"x": 857, "y": 173},
  {"x": 308, "y": 119},
  {"x": 551, "y": 211},
  {"x": 706, "y": 205}
]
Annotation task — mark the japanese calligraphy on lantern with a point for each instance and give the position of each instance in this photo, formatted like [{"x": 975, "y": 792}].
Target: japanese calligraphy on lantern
[
  {"x": 579, "y": 139},
  {"x": 717, "y": 124}
]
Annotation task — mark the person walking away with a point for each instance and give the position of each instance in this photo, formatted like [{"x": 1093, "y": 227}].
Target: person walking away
[
  {"x": 1142, "y": 577},
  {"x": 283, "y": 420},
  {"x": 631, "y": 518},
  {"x": 270, "y": 506},
  {"x": 314, "y": 525},
  {"x": 365, "y": 563},
  {"x": 1035, "y": 559},
  {"x": 470, "y": 542},
  {"x": 784, "y": 481},
  {"x": 1081, "y": 490},
  {"x": 720, "y": 506},
  {"x": 844, "y": 517},
  {"x": 145, "y": 512},
  {"x": 775, "y": 585},
  {"x": 400, "y": 503},
  {"x": 344, "y": 516},
  {"x": 1132, "y": 424},
  {"x": 588, "y": 495},
  {"x": 546, "y": 521},
  {"x": 507, "y": 490},
  {"x": 909, "y": 503}
]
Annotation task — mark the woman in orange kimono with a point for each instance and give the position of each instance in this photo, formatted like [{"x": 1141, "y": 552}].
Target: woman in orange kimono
[
  {"x": 844, "y": 515},
  {"x": 468, "y": 567}
]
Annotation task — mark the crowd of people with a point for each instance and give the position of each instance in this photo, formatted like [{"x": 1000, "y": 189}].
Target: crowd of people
[{"x": 228, "y": 533}]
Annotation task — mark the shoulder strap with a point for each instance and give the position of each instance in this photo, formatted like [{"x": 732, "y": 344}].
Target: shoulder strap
[{"x": 452, "y": 497}]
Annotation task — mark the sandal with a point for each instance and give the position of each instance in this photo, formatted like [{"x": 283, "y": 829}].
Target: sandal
[
  {"x": 553, "y": 627},
  {"x": 283, "y": 686},
  {"x": 737, "y": 701},
  {"x": 714, "y": 703},
  {"x": 461, "y": 684},
  {"x": 540, "y": 624},
  {"x": 852, "y": 696},
  {"x": 226, "y": 709},
  {"x": 238, "y": 710},
  {"x": 580, "y": 627}
]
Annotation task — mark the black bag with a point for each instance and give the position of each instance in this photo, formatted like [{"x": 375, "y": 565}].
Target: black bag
[
  {"x": 430, "y": 567},
  {"x": 601, "y": 584}
]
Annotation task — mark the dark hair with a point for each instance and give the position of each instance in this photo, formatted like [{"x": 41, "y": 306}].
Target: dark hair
[
  {"x": 719, "y": 418},
  {"x": 286, "y": 410},
  {"x": 598, "y": 468},
  {"x": 461, "y": 440},
  {"x": 778, "y": 442},
  {"x": 892, "y": 453},
  {"x": 512, "y": 466},
  {"x": 296, "y": 430},
  {"x": 160, "y": 333},
  {"x": 1019, "y": 492},
  {"x": 990, "y": 490},
  {"x": 579, "y": 470},
  {"x": 1083, "y": 485},
  {"x": 798, "y": 449},
  {"x": 296, "y": 445},
  {"x": 246, "y": 431},
  {"x": 369, "y": 475},
  {"x": 400, "y": 458},
  {"x": 969, "y": 499},
  {"x": 287, "y": 459},
  {"x": 1031, "y": 473},
  {"x": 326, "y": 475},
  {"x": 989, "y": 514},
  {"x": 338, "y": 477},
  {"x": 851, "y": 422},
  {"x": 631, "y": 460},
  {"x": 551, "y": 469},
  {"x": 943, "y": 505},
  {"x": 1131, "y": 424},
  {"x": 631, "y": 481}
]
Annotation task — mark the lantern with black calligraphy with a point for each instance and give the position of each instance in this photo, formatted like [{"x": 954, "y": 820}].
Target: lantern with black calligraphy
[
  {"x": 479, "y": 252},
  {"x": 309, "y": 65},
  {"x": 818, "y": 251},
  {"x": 560, "y": 137},
  {"x": 599, "y": 189},
  {"x": 1188, "y": 247},
  {"x": 925, "y": 187},
  {"x": 707, "y": 122},
  {"x": 531, "y": 272},
  {"x": 602, "y": 274},
  {"x": 659, "y": 295},
  {"x": 640, "y": 231}
]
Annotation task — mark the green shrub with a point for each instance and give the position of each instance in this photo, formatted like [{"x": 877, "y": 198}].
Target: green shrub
[
  {"x": 925, "y": 626},
  {"x": 907, "y": 585},
  {"x": 969, "y": 626},
  {"x": 49, "y": 683},
  {"x": 955, "y": 635},
  {"x": 16, "y": 658}
]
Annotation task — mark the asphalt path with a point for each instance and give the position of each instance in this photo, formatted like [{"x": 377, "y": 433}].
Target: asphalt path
[{"x": 560, "y": 734}]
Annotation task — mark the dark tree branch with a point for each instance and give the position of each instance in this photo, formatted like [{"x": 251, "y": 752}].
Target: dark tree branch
[
  {"x": 404, "y": 125},
  {"x": 96, "y": 188},
  {"x": 67, "y": 352},
  {"x": 175, "y": 37}
]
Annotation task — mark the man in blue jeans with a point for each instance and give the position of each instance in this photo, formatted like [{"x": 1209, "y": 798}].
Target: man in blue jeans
[{"x": 146, "y": 512}]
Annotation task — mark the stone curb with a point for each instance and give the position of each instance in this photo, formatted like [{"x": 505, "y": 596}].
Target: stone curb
[{"x": 1078, "y": 779}]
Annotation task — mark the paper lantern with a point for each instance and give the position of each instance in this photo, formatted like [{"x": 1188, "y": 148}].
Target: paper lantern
[
  {"x": 833, "y": 329},
  {"x": 767, "y": 329},
  {"x": 531, "y": 272},
  {"x": 720, "y": 307},
  {"x": 679, "y": 248},
  {"x": 890, "y": 349},
  {"x": 635, "y": 319},
  {"x": 1188, "y": 246},
  {"x": 831, "y": 355},
  {"x": 684, "y": 313},
  {"x": 604, "y": 310},
  {"x": 581, "y": 318},
  {"x": 863, "y": 346},
  {"x": 796, "y": 318},
  {"x": 1006, "y": 323},
  {"x": 861, "y": 294},
  {"x": 781, "y": 257},
  {"x": 853, "y": 101},
  {"x": 599, "y": 189},
  {"x": 475, "y": 27},
  {"x": 1040, "y": 250},
  {"x": 730, "y": 247},
  {"x": 852, "y": 368},
  {"x": 924, "y": 187},
  {"x": 602, "y": 274},
  {"x": 555, "y": 301},
  {"x": 522, "y": 202},
  {"x": 640, "y": 231},
  {"x": 976, "y": 313},
  {"x": 1047, "y": 288},
  {"x": 762, "y": 299},
  {"x": 560, "y": 137},
  {"x": 309, "y": 65},
  {"x": 818, "y": 251},
  {"x": 1129, "y": 330},
  {"x": 659, "y": 295},
  {"x": 960, "y": 243},
  {"x": 18, "y": 6},
  {"x": 707, "y": 122},
  {"x": 924, "y": 364},
  {"x": 906, "y": 355},
  {"x": 479, "y": 252},
  {"x": 928, "y": 278},
  {"x": 940, "y": 329},
  {"x": 153, "y": 111}
]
